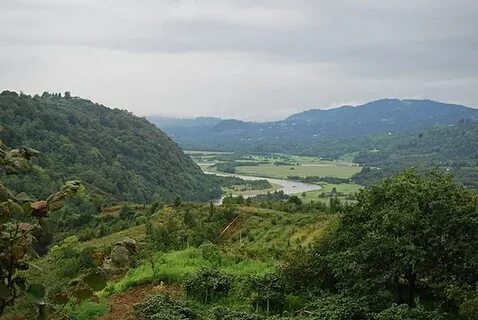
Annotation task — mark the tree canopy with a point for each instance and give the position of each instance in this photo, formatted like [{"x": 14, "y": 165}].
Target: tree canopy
[
  {"x": 114, "y": 153},
  {"x": 409, "y": 240}
]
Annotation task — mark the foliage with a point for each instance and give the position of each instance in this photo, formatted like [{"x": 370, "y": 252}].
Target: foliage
[
  {"x": 87, "y": 310},
  {"x": 176, "y": 267},
  {"x": 19, "y": 217},
  {"x": 222, "y": 313},
  {"x": 411, "y": 237},
  {"x": 452, "y": 148},
  {"x": 164, "y": 307},
  {"x": 114, "y": 153},
  {"x": 404, "y": 312},
  {"x": 265, "y": 292},
  {"x": 338, "y": 307},
  {"x": 187, "y": 225},
  {"x": 207, "y": 285},
  {"x": 126, "y": 213}
]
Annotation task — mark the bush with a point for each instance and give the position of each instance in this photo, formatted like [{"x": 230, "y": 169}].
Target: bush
[
  {"x": 221, "y": 313},
  {"x": 266, "y": 292},
  {"x": 88, "y": 310},
  {"x": 208, "y": 285},
  {"x": 163, "y": 307},
  {"x": 404, "y": 312}
]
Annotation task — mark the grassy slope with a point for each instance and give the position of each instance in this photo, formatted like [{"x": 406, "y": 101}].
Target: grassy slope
[{"x": 266, "y": 235}]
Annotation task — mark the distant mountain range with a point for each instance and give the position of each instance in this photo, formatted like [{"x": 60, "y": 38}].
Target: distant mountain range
[{"x": 385, "y": 116}]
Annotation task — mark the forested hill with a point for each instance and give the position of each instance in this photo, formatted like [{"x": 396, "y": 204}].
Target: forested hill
[
  {"x": 117, "y": 155},
  {"x": 452, "y": 148},
  {"x": 309, "y": 127}
]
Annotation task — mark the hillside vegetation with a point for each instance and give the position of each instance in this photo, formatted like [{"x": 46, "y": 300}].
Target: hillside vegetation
[
  {"x": 117, "y": 155},
  {"x": 315, "y": 132},
  {"x": 451, "y": 148},
  {"x": 276, "y": 257}
]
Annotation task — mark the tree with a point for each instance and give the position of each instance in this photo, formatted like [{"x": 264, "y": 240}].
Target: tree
[
  {"x": 126, "y": 213},
  {"x": 266, "y": 292},
  {"x": 20, "y": 216},
  {"x": 413, "y": 236},
  {"x": 207, "y": 284},
  {"x": 177, "y": 202}
]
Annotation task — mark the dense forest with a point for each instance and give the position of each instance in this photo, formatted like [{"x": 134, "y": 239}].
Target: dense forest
[
  {"x": 452, "y": 148},
  {"x": 116, "y": 155}
]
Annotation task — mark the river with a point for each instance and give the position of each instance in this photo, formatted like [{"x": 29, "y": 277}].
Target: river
[{"x": 289, "y": 187}]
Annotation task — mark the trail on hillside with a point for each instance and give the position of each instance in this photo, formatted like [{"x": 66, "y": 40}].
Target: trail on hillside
[{"x": 121, "y": 304}]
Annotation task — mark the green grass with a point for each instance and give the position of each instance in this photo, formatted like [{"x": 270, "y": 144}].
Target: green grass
[
  {"x": 174, "y": 267},
  {"x": 268, "y": 233},
  {"x": 136, "y": 232},
  {"x": 242, "y": 190},
  {"x": 299, "y": 165},
  {"x": 349, "y": 157},
  {"x": 344, "y": 188},
  {"x": 318, "y": 169},
  {"x": 88, "y": 310}
]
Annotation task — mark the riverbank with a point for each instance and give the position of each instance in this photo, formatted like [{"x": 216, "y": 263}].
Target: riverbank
[{"x": 287, "y": 186}]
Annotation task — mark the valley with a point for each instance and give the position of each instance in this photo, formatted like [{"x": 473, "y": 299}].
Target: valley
[
  {"x": 283, "y": 172},
  {"x": 238, "y": 160},
  {"x": 136, "y": 228}
]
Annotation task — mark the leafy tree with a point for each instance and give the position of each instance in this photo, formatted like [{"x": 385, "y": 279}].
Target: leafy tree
[
  {"x": 411, "y": 237},
  {"x": 19, "y": 217},
  {"x": 206, "y": 285},
  {"x": 164, "y": 307},
  {"x": 126, "y": 212},
  {"x": 266, "y": 292}
]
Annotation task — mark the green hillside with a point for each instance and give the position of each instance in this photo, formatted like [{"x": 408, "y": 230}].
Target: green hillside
[
  {"x": 452, "y": 148},
  {"x": 116, "y": 154}
]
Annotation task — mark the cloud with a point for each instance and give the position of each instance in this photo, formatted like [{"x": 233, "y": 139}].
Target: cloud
[{"x": 247, "y": 59}]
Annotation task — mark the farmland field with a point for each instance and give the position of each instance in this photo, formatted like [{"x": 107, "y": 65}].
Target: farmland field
[
  {"x": 302, "y": 170},
  {"x": 279, "y": 166}
]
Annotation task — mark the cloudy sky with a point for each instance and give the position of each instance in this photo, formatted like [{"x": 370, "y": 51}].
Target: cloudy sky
[{"x": 249, "y": 59}]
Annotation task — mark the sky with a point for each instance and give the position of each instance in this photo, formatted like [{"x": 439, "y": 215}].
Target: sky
[{"x": 246, "y": 59}]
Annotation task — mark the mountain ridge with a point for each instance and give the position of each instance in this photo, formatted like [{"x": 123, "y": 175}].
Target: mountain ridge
[
  {"x": 116, "y": 154},
  {"x": 382, "y": 116}
]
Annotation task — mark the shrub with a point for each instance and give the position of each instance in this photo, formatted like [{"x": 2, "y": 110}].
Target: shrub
[
  {"x": 163, "y": 307},
  {"x": 222, "y": 313},
  {"x": 404, "y": 312},
  {"x": 207, "y": 284},
  {"x": 88, "y": 310},
  {"x": 266, "y": 292}
]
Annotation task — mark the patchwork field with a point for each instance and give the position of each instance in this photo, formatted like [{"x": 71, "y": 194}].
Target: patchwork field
[
  {"x": 301, "y": 170},
  {"x": 279, "y": 166}
]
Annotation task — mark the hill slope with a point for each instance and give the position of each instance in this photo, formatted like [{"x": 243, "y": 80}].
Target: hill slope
[
  {"x": 313, "y": 126},
  {"x": 113, "y": 152},
  {"x": 453, "y": 148}
]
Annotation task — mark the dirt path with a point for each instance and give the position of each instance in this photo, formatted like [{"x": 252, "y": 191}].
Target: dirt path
[{"x": 121, "y": 305}]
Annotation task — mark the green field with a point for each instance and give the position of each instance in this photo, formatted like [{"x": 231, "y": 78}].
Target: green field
[
  {"x": 282, "y": 172},
  {"x": 343, "y": 190},
  {"x": 244, "y": 190},
  {"x": 279, "y": 166}
]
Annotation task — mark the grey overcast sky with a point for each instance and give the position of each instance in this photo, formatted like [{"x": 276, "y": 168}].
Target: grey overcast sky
[{"x": 249, "y": 59}]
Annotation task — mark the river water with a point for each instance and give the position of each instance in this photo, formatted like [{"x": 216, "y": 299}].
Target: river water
[{"x": 289, "y": 187}]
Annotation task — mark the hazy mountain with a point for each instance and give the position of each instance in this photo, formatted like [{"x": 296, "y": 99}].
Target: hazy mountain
[
  {"x": 376, "y": 117},
  {"x": 114, "y": 153}
]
